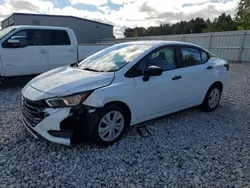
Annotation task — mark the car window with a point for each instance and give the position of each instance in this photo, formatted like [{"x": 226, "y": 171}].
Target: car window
[
  {"x": 37, "y": 37},
  {"x": 21, "y": 36},
  {"x": 164, "y": 58},
  {"x": 59, "y": 37},
  {"x": 28, "y": 38},
  {"x": 190, "y": 57},
  {"x": 204, "y": 57}
]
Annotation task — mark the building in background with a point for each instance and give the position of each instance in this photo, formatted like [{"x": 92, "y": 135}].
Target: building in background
[{"x": 86, "y": 31}]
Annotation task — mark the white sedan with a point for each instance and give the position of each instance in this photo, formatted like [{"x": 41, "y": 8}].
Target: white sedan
[{"x": 123, "y": 85}]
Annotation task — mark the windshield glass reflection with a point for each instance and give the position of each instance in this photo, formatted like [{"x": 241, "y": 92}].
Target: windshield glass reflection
[{"x": 113, "y": 58}]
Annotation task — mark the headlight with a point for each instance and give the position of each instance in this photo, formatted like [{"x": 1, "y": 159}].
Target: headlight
[{"x": 69, "y": 101}]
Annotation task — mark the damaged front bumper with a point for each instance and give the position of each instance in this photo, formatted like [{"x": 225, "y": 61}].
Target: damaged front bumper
[
  {"x": 63, "y": 125},
  {"x": 52, "y": 123}
]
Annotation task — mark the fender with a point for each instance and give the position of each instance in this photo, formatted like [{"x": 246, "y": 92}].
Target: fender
[{"x": 121, "y": 92}]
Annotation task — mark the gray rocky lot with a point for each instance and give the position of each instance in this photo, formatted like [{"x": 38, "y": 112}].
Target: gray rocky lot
[{"x": 186, "y": 149}]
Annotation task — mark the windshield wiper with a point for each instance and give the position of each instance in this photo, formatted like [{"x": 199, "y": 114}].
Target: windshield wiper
[
  {"x": 89, "y": 69},
  {"x": 76, "y": 64}
]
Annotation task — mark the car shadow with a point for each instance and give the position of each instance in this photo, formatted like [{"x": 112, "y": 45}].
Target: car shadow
[{"x": 12, "y": 83}]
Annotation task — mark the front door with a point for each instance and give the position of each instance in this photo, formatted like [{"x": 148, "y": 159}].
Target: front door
[
  {"x": 159, "y": 94},
  {"x": 28, "y": 56}
]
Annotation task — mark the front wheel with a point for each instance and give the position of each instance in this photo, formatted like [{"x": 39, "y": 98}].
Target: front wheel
[
  {"x": 111, "y": 125},
  {"x": 212, "y": 98}
]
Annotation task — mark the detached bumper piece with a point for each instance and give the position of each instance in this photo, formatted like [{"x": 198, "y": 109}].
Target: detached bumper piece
[{"x": 62, "y": 134}]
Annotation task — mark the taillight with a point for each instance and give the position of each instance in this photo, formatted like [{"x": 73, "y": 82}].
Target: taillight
[{"x": 227, "y": 66}]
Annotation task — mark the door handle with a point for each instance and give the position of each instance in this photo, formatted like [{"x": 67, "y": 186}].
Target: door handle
[
  {"x": 176, "y": 77},
  {"x": 43, "y": 51},
  {"x": 210, "y": 67},
  {"x": 71, "y": 50}
]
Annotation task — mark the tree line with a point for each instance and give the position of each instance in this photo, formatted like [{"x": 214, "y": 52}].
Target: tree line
[{"x": 224, "y": 22}]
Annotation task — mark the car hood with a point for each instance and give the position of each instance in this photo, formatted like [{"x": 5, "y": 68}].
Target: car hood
[{"x": 69, "y": 80}]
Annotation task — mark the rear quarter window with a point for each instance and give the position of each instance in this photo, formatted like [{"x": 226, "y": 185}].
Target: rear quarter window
[{"x": 204, "y": 57}]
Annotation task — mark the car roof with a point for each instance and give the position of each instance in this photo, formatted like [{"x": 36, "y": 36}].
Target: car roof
[
  {"x": 159, "y": 43},
  {"x": 37, "y": 27}
]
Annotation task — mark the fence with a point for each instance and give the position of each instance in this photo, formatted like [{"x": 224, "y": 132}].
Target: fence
[
  {"x": 86, "y": 50},
  {"x": 230, "y": 45}
]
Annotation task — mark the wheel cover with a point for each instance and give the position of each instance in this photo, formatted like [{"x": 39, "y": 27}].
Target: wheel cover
[
  {"x": 214, "y": 98},
  {"x": 111, "y": 126}
]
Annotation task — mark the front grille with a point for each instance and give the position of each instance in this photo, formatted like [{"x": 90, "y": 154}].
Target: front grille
[{"x": 32, "y": 111}]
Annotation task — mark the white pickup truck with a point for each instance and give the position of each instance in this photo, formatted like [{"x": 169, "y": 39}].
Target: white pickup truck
[{"x": 31, "y": 50}]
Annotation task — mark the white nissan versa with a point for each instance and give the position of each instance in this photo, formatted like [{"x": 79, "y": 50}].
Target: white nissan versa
[{"x": 126, "y": 84}]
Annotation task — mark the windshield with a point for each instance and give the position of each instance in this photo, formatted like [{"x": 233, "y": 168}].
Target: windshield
[
  {"x": 113, "y": 58},
  {"x": 5, "y": 31}
]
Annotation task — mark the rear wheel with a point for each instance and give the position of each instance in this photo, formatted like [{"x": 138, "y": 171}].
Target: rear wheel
[
  {"x": 212, "y": 98},
  {"x": 110, "y": 127}
]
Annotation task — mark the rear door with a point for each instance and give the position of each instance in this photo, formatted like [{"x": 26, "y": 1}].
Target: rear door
[
  {"x": 62, "y": 50},
  {"x": 195, "y": 75},
  {"x": 27, "y": 57}
]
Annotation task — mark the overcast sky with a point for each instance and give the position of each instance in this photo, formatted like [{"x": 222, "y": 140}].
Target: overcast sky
[{"x": 123, "y": 13}]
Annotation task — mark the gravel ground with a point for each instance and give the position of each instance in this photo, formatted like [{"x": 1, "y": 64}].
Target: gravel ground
[{"x": 186, "y": 149}]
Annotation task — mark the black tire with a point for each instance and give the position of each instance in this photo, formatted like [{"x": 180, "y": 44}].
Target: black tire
[
  {"x": 95, "y": 136},
  {"x": 206, "y": 106}
]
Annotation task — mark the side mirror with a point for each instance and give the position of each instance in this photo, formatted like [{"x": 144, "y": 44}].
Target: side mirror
[
  {"x": 14, "y": 43},
  {"x": 152, "y": 71}
]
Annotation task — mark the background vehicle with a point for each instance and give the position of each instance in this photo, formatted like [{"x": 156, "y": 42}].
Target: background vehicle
[
  {"x": 30, "y": 50},
  {"x": 123, "y": 85}
]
